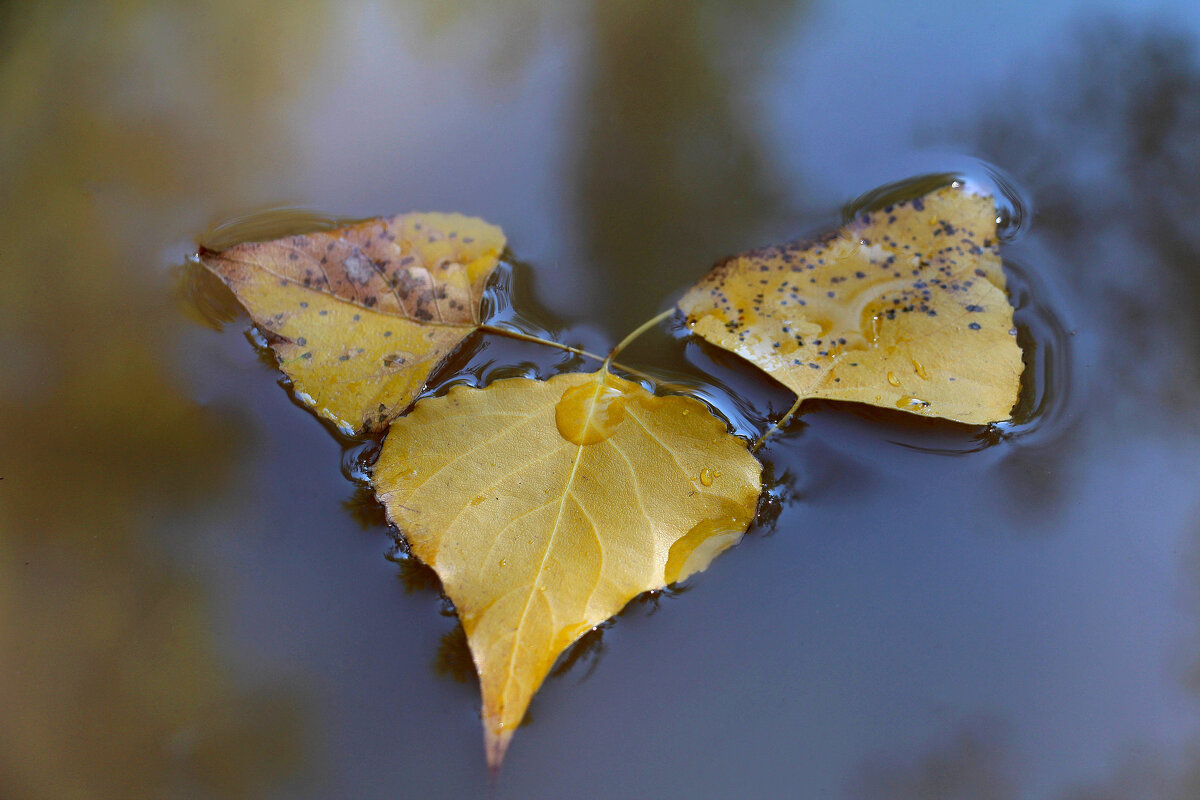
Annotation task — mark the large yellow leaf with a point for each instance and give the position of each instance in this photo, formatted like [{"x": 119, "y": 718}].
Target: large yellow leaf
[
  {"x": 904, "y": 307},
  {"x": 360, "y": 316},
  {"x": 545, "y": 506}
]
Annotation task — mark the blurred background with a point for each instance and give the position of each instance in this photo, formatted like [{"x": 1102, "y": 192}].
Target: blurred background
[{"x": 196, "y": 603}]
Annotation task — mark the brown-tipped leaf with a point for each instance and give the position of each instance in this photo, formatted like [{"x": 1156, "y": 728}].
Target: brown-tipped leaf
[{"x": 360, "y": 316}]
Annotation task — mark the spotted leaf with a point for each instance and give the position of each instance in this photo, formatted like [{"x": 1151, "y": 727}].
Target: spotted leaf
[
  {"x": 904, "y": 307},
  {"x": 360, "y": 316}
]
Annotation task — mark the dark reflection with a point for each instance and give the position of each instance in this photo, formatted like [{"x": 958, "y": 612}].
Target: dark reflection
[
  {"x": 414, "y": 575},
  {"x": 972, "y": 765},
  {"x": 670, "y": 171},
  {"x": 1106, "y": 144},
  {"x": 202, "y": 297},
  {"x": 746, "y": 397},
  {"x": 1108, "y": 148},
  {"x": 586, "y": 650},
  {"x": 778, "y": 492},
  {"x": 453, "y": 659},
  {"x": 365, "y": 509},
  {"x": 1110, "y": 153},
  {"x": 819, "y": 474},
  {"x": 1044, "y": 407},
  {"x": 359, "y": 459},
  {"x": 267, "y": 224}
]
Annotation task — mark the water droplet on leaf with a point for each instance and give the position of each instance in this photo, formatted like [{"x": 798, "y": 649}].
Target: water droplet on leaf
[
  {"x": 590, "y": 412},
  {"x": 908, "y": 403}
]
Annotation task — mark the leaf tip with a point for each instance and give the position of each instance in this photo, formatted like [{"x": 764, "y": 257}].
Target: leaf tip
[{"x": 496, "y": 739}]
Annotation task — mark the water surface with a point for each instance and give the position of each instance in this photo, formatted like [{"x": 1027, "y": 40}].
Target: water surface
[{"x": 195, "y": 601}]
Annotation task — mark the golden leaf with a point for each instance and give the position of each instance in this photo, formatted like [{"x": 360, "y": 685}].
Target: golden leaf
[
  {"x": 904, "y": 307},
  {"x": 360, "y": 316},
  {"x": 545, "y": 506}
]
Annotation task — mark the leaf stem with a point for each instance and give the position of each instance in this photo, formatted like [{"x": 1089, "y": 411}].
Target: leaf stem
[
  {"x": 761, "y": 440},
  {"x": 608, "y": 362},
  {"x": 636, "y": 332},
  {"x": 526, "y": 337}
]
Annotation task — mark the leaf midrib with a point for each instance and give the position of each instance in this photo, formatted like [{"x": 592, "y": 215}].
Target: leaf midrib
[{"x": 520, "y": 629}]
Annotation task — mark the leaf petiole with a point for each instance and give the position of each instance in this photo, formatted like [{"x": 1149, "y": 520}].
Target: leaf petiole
[
  {"x": 608, "y": 362},
  {"x": 526, "y": 337},
  {"x": 636, "y": 332},
  {"x": 777, "y": 425}
]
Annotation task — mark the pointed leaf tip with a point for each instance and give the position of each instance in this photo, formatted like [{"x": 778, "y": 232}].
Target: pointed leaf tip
[
  {"x": 546, "y": 506},
  {"x": 495, "y": 744}
]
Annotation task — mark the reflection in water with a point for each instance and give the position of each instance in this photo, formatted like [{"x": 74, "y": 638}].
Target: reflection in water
[
  {"x": 1110, "y": 153},
  {"x": 112, "y": 683},
  {"x": 453, "y": 659},
  {"x": 978, "y": 763},
  {"x": 971, "y": 766},
  {"x": 125, "y": 128},
  {"x": 366, "y": 510},
  {"x": 671, "y": 175},
  {"x": 414, "y": 575}
]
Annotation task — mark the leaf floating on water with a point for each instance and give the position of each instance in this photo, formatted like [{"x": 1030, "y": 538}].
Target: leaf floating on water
[
  {"x": 904, "y": 307},
  {"x": 545, "y": 506},
  {"x": 360, "y": 316}
]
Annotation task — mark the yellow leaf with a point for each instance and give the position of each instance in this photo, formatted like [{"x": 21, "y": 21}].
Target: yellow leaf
[
  {"x": 904, "y": 307},
  {"x": 545, "y": 506},
  {"x": 360, "y": 316}
]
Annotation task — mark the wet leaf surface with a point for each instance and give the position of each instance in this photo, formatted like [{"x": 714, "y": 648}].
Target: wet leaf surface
[
  {"x": 360, "y": 316},
  {"x": 546, "y": 506},
  {"x": 904, "y": 307}
]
